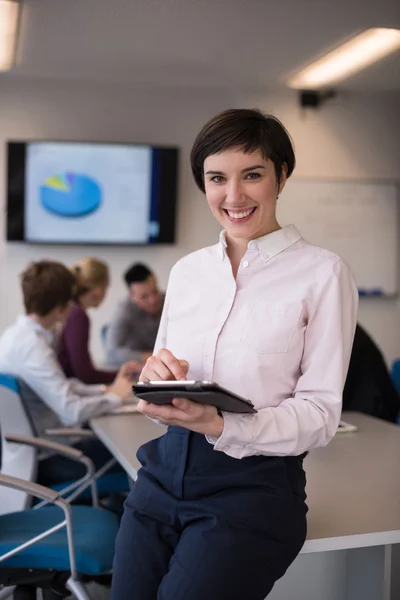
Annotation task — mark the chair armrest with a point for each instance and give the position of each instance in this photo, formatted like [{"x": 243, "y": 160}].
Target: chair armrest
[
  {"x": 34, "y": 489},
  {"x": 70, "y": 432},
  {"x": 76, "y": 487},
  {"x": 89, "y": 479},
  {"x": 46, "y": 495},
  {"x": 62, "y": 449}
]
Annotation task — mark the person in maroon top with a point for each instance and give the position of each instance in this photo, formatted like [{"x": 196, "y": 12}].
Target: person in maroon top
[{"x": 92, "y": 277}]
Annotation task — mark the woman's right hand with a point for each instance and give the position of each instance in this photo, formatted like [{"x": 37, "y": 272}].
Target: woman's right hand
[{"x": 164, "y": 366}]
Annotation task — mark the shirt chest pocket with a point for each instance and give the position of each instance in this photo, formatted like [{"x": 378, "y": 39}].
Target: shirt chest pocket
[{"x": 271, "y": 326}]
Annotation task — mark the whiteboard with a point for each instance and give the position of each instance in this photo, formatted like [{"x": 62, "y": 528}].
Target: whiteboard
[{"x": 356, "y": 220}]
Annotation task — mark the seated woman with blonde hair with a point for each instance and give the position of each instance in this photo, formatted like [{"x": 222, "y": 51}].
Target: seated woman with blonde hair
[{"x": 92, "y": 278}]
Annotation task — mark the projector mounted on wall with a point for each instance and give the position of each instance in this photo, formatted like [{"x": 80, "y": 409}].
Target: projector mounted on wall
[{"x": 314, "y": 98}]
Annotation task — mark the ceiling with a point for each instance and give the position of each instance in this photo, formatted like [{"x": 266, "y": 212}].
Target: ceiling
[{"x": 227, "y": 43}]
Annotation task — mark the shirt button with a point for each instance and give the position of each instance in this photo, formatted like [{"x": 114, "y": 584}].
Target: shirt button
[{"x": 245, "y": 263}]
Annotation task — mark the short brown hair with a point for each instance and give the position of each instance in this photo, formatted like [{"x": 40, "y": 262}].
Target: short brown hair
[
  {"x": 45, "y": 286},
  {"x": 247, "y": 129}
]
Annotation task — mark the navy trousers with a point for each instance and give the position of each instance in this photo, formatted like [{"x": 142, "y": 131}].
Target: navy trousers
[{"x": 200, "y": 525}]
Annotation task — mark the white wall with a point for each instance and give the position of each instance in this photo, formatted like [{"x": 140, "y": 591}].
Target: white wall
[
  {"x": 354, "y": 136},
  {"x": 63, "y": 110}
]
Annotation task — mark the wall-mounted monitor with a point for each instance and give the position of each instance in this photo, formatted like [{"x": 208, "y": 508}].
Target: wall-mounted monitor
[{"x": 91, "y": 193}]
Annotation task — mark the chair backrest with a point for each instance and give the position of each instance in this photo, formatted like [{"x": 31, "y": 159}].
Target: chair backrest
[
  {"x": 17, "y": 460},
  {"x": 395, "y": 373},
  {"x": 1, "y": 449}
]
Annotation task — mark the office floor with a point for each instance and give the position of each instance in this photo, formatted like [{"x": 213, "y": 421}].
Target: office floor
[{"x": 96, "y": 592}]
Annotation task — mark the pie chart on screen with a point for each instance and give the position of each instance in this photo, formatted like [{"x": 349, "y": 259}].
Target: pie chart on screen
[{"x": 70, "y": 195}]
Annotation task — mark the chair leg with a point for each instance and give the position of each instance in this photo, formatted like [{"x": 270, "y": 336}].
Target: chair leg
[
  {"x": 24, "y": 592},
  {"x": 50, "y": 595},
  {"x": 77, "y": 588},
  {"x": 7, "y": 592}
]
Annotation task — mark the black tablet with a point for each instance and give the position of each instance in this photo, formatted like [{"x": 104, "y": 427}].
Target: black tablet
[{"x": 205, "y": 392}]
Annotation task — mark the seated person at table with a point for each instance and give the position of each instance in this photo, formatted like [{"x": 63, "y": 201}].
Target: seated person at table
[
  {"x": 52, "y": 399},
  {"x": 132, "y": 332},
  {"x": 92, "y": 280},
  {"x": 369, "y": 388}
]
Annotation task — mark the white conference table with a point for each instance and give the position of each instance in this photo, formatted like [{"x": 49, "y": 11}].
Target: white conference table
[{"x": 353, "y": 488}]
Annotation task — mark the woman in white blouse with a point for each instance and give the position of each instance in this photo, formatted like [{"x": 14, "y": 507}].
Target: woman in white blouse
[{"x": 218, "y": 510}]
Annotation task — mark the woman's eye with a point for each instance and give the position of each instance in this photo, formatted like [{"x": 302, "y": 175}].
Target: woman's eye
[
  {"x": 253, "y": 175},
  {"x": 217, "y": 179}
]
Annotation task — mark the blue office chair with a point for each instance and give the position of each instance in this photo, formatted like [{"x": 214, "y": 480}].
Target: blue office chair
[
  {"x": 15, "y": 419},
  {"x": 395, "y": 373},
  {"x": 51, "y": 549}
]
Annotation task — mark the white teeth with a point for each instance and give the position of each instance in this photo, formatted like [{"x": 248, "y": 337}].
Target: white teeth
[{"x": 240, "y": 215}]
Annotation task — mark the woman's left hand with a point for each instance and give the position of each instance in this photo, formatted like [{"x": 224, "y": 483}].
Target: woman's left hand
[{"x": 202, "y": 418}]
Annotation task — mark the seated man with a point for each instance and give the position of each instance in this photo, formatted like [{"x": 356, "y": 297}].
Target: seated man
[
  {"x": 369, "y": 388},
  {"x": 51, "y": 399},
  {"x": 132, "y": 332}
]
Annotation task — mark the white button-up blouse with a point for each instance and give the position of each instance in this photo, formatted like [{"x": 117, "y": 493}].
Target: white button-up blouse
[{"x": 280, "y": 335}]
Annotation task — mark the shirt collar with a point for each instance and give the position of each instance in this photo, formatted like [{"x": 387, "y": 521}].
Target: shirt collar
[
  {"x": 35, "y": 326},
  {"x": 222, "y": 246},
  {"x": 268, "y": 245}
]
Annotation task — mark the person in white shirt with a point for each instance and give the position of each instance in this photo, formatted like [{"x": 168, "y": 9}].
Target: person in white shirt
[
  {"x": 53, "y": 400},
  {"x": 218, "y": 509}
]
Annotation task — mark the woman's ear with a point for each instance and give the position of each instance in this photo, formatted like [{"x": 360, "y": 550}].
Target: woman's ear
[{"x": 282, "y": 179}]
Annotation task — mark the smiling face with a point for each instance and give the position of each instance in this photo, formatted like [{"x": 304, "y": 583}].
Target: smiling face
[{"x": 242, "y": 190}]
